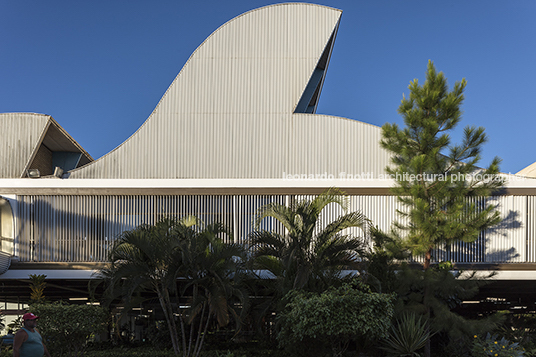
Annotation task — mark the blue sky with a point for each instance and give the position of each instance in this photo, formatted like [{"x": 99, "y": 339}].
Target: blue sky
[{"x": 100, "y": 67}]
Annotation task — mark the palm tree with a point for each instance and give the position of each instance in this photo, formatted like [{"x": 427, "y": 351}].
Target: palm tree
[
  {"x": 153, "y": 258},
  {"x": 307, "y": 256},
  {"x": 142, "y": 259},
  {"x": 212, "y": 270}
]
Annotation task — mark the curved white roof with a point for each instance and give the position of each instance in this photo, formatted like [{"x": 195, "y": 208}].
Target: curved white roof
[{"x": 242, "y": 107}]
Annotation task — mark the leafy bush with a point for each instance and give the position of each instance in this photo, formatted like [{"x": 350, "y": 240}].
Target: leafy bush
[
  {"x": 154, "y": 352},
  {"x": 66, "y": 328},
  {"x": 490, "y": 346},
  {"x": 520, "y": 328},
  {"x": 16, "y": 324},
  {"x": 131, "y": 352},
  {"x": 335, "y": 317}
]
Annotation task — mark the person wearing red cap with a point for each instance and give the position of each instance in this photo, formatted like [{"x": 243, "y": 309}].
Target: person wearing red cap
[{"x": 28, "y": 341}]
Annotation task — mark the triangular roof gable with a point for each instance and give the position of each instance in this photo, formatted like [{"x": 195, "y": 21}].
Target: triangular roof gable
[{"x": 25, "y": 136}]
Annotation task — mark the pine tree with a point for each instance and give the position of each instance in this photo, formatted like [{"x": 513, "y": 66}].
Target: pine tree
[{"x": 434, "y": 179}]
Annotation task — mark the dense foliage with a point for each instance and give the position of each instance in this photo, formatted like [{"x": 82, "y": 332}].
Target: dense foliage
[
  {"x": 37, "y": 286},
  {"x": 301, "y": 251},
  {"x": 439, "y": 291},
  {"x": 335, "y": 317},
  {"x": 180, "y": 259},
  {"x": 153, "y": 352},
  {"x": 407, "y": 336},
  {"x": 496, "y": 347},
  {"x": 66, "y": 328},
  {"x": 434, "y": 179},
  {"x": 311, "y": 254}
]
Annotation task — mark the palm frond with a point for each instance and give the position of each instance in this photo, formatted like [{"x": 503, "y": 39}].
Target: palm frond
[
  {"x": 277, "y": 211},
  {"x": 306, "y": 251},
  {"x": 353, "y": 219}
]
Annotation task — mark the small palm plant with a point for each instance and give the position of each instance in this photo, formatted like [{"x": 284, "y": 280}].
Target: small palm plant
[
  {"x": 37, "y": 285},
  {"x": 407, "y": 336},
  {"x": 311, "y": 254}
]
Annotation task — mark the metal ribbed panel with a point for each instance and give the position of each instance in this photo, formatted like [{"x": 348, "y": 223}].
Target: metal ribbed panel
[
  {"x": 6, "y": 227},
  {"x": 380, "y": 210},
  {"x": 5, "y": 262},
  {"x": 508, "y": 241},
  {"x": 504, "y": 243},
  {"x": 323, "y": 144},
  {"x": 229, "y": 112},
  {"x": 81, "y": 228},
  {"x": 272, "y": 148},
  {"x": 21, "y": 133},
  {"x": 531, "y": 228}
]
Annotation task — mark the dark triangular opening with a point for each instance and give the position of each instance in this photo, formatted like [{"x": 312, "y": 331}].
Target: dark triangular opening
[
  {"x": 309, "y": 99},
  {"x": 58, "y": 150}
]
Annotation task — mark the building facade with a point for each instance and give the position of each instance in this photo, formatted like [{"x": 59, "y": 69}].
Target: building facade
[{"x": 236, "y": 130}]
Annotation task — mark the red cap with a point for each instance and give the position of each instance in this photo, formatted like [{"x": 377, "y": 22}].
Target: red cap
[{"x": 29, "y": 316}]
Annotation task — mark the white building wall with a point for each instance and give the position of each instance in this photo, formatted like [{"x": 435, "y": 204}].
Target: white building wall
[{"x": 81, "y": 228}]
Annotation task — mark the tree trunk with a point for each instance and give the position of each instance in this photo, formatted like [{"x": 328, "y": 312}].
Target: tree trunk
[
  {"x": 426, "y": 266},
  {"x": 163, "y": 297},
  {"x": 205, "y": 331},
  {"x": 427, "y": 259},
  {"x": 198, "y": 337},
  {"x": 182, "y": 326}
]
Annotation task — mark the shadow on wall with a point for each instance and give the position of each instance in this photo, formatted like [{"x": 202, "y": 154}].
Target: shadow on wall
[
  {"x": 81, "y": 228},
  {"x": 503, "y": 243}
]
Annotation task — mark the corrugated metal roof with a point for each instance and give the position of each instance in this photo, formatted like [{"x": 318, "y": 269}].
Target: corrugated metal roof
[
  {"x": 229, "y": 112},
  {"x": 21, "y": 135},
  {"x": 529, "y": 171},
  {"x": 24, "y": 134}
]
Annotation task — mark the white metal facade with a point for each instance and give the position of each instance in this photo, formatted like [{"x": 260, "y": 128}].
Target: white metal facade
[
  {"x": 230, "y": 116},
  {"x": 21, "y": 133},
  {"x": 80, "y": 228},
  {"x": 230, "y": 113}
]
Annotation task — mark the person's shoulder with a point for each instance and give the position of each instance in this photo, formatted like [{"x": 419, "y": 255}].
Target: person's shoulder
[{"x": 21, "y": 332}]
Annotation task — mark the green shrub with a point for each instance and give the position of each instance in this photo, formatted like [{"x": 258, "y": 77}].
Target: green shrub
[
  {"x": 153, "y": 352},
  {"x": 131, "y": 352},
  {"x": 66, "y": 328},
  {"x": 490, "y": 346},
  {"x": 334, "y": 318}
]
